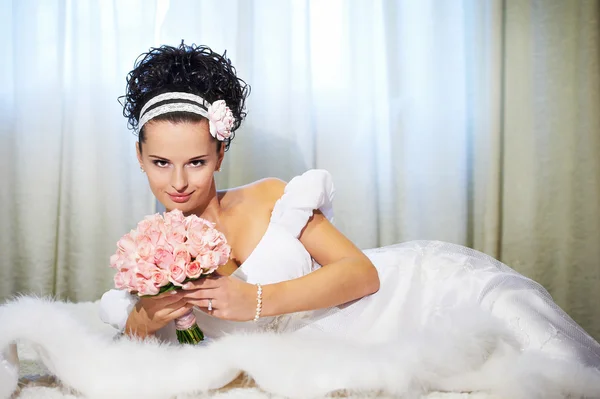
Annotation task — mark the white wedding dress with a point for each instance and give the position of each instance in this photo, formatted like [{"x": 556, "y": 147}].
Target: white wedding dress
[
  {"x": 446, "y": 318},
  {"x": 420, "y": 280}
]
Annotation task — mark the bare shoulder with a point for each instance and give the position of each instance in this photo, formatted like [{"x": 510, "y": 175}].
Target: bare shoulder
[
  {"x": 247, "y": 213},
  {"x": 267, "y": 191},
  {"x": 270, "y": 188},
  {"x": 259, "y": 195}
]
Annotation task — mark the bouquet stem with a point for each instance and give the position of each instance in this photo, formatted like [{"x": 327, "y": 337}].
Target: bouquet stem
[
  {"x": 187, "y": 330},
  {"x": 192, "y": 335}
]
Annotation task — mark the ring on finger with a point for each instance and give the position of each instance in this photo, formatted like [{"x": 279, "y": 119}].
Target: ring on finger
[{"x": 210, "y": 305}]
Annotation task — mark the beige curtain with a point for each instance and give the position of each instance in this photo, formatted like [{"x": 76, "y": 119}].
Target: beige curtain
[
  {"x": 537, "y": 166},
  {"x": 549, "y": 176}
]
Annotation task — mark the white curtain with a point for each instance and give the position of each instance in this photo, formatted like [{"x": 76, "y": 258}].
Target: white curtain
[
  {"x": 68, "y": 168},
  {"x": 465, "y": 121},
  {"x": 375, "y": 92}
]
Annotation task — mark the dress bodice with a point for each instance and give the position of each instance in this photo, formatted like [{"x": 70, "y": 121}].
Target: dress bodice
[{"x": 279, "y": 255}]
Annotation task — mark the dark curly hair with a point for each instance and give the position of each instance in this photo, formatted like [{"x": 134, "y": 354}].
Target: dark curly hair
[{"x": 192, "y": 69}]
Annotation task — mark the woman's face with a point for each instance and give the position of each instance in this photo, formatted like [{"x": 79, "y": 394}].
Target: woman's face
[{"x": 179, "y": 160}]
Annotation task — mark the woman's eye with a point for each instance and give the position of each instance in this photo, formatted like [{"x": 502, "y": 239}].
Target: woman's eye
[
  {"x": 161, "y": 164},
  {"x": 196, "y": 163}
]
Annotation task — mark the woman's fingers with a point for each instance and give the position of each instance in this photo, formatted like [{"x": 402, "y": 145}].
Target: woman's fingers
[
  {"x": 203, "y": 283},
  {"x": 169, "y": 296},
  {"x": 204, "y": 304},
  {"x": 171, "y": 301},
  {"x": 177, "y": 309},
  {"x": 164, "y": 294},
  {"x": 176, "y": 305},
  {"x": 200, "y": 294},
  {"x": 181, "y": 311}
]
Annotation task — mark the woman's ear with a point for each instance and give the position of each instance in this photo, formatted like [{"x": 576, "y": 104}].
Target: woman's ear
[
  {"x": 221, "y": 156},
  {"x": 138, "y": 151}
]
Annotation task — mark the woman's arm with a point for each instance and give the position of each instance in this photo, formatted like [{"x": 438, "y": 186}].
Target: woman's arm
[{"x": 347, "y": 274}]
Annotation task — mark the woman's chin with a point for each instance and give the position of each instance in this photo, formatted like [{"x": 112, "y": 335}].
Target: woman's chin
[{"x": 187, "y": 208}]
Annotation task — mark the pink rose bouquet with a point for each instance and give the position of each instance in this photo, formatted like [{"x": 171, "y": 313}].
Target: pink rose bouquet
[{"x": 166, "y": 251}]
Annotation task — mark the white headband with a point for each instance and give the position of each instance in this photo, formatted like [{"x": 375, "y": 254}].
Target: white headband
[{"x": 219, "y": 115}]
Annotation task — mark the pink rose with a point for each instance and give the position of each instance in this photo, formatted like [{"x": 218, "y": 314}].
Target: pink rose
[
  {"x": 129, "y": 278},
  {"x": 153, "y": 226},
  {"x": 220, "y": 120},
  {"x": 159, "y": 278},
  {"x": 114, "y": 261},
  {"x": 175, "y": 227},
  {"x": 145, "y": 249},
  {"x": 129, "y": 265},
  {"x": 155, "y": 222},
  {"x": 193, "y": 222},
  {"x": 144, "y": 270},
  {"x": 218, "y": 241},
  {"x": 121, "y": 263},
  {"x": 163, "y": 257},
  {"x": 127, "y": 243},
  {"x": 209, "y": 262},
  {"x": 118, "y": 260},
  {"x": 199, "y": 231},
  {"x": 191, "y": 219},
  {"x": 193, "y": 269},
  {"x": 209, "y": 270},
  {"x": 120, "y": 281},
  {"x": 224, "y": 252},
  {"x": 145, "y": 225},
  {"x": 176, "y": 235},
  {"x": 176, "y": 274},
  {"x": 146, "y": 287},
  {"x": 158, "y": 238},
  {"x": 211, "y": 239},
  {"x": 181, "y": 255},
  {"x": 174, "y": 217}
]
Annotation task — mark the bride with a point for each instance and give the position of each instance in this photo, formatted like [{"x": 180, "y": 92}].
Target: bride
[
  {"x": 293, "y": 274},
  {"x": 292, "y": 270}
]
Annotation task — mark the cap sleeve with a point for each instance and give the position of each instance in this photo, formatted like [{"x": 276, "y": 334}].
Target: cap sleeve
[{"x": 301, "y": 197}]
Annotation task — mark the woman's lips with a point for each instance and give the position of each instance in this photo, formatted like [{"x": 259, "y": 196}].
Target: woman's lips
[{"x": 180, "y": 198}]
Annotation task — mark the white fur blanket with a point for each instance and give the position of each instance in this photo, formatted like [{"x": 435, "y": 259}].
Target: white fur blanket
[{"x": 77, "y": 348}]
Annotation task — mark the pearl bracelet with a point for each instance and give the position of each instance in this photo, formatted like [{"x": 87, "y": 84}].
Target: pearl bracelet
[{"x": 258, "y": 302}]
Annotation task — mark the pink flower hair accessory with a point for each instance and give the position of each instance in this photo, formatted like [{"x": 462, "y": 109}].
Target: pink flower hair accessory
[{"x": 220, "y": 120}]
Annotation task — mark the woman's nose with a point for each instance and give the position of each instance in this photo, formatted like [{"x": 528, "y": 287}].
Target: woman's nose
[{"x": 179, "y": 179}]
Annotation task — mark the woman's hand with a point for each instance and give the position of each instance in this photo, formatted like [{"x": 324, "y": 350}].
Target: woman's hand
[
  {"x": 152, "y": 313},
  {"x": 230, "y": 298}
]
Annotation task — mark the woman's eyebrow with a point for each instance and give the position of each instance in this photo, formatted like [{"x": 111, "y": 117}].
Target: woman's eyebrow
[{"x": 165, "y": 159}]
